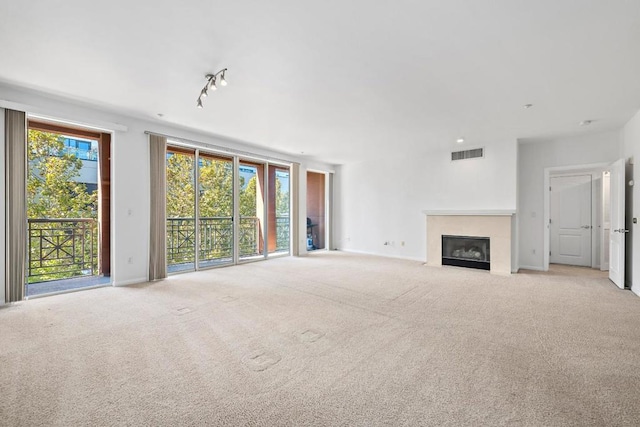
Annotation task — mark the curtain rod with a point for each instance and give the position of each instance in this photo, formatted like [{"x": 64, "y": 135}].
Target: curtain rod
[{"x": 199, "y": 144}]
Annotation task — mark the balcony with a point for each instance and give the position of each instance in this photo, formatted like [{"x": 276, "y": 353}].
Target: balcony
[{"x": 62, "y": 255}]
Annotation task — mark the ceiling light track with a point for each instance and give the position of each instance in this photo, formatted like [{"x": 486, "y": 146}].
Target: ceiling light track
[{"x": 211, "y": 85}]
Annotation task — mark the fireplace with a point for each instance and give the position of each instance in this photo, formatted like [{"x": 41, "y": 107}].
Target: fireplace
[
  {"x": 496, "y": 225},
  {"x": 466, "y": 251}
]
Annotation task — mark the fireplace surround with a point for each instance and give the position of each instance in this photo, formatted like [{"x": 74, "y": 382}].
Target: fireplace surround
[{"x": 497, "y": 225}]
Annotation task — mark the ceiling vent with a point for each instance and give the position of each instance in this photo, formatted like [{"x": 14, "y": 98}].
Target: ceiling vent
[{"x": 467, "y": 154}]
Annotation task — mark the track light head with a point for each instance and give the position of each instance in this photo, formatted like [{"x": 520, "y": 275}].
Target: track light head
[
  {"x": 203, "y": 93},
  {"x": 223, "y": 81},
  {"x": 199, "y": 104},
  {"x": 212, "y": 83}
]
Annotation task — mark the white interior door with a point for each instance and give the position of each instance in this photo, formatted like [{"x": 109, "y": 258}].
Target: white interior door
[
  {"x": 617, "y": 235},
  {"x": 570, "y": 215}
]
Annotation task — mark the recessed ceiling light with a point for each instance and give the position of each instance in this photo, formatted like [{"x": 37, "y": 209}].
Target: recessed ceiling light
[
  {"x": 585, "y": 122},
  {"x": 460, "y": 140},
  {"x": 527, "y": 106}
]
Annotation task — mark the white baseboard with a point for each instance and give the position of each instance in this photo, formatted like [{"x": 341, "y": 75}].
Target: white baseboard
[
  {"x": 406, "y": 258},
  {"x": 130, "y": 281},
  {"x": 530, "y": 267}
]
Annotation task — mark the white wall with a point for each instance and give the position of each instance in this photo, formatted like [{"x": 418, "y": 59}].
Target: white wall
[
  {"x": 533, "y": 158},
  {"x": 383, "y": 200},
  {"x": 130, "y": 171},
  {"x": 631, "y": 148}
]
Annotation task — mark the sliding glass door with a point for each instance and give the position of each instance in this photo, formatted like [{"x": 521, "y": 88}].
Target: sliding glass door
[
  {"x": 279, "y": 210},
  {"x": 181, "y": 208},
  {"x": 223, "y": 210},
  {"x": 251, "y": 210},
  {"x": 215, "y": 210}
]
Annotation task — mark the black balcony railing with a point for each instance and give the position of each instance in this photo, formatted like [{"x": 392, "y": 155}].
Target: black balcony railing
[
  {"x": 216, "y": 239},
  {"x": 181, "y": 238},
  {"x": 249, "y": 236},
  {"x": 282, "y": 233},
  {"x": 62, "y": 248}
]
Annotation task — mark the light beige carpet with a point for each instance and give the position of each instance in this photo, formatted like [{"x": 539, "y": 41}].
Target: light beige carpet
[{"x": 330, "y": 339}]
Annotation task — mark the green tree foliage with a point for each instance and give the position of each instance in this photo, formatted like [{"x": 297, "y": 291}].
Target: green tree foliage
[
  {"x": 52, "y": 191},
  {"x": 248, "y": 198},
  {"x": 216, "y": 188},
  {"x": 180, "y": 195},
  {"x": 282, "y": 199}
]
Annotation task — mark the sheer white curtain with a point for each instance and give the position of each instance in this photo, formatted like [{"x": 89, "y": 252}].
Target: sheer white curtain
[
  {"x": 16, "y": 200},
  {"x": 158, "y": 240}
]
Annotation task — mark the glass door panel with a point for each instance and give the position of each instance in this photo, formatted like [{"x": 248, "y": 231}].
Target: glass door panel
[
  {"x": 181, "y": 230},
  {"x": 279, "y": 202},
  {"x": 215, "y": 210},
  {"x": 251, "y": 238}
]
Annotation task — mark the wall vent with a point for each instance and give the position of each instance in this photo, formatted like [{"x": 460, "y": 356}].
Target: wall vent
[{"x": 467, "y": 154}]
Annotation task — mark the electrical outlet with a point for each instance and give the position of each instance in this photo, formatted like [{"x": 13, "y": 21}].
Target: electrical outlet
[
  {"x": 402, "y": 243},
  {"x": 130, "y": 260},
  {"x": 533, "y": 251}
]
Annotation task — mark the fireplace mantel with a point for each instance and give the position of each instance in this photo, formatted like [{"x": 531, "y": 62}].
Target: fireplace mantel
[{"x": 466, "y": 212}]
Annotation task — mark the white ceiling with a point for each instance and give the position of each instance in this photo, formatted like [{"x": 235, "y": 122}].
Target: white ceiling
[{"x": 339, "y": 80}]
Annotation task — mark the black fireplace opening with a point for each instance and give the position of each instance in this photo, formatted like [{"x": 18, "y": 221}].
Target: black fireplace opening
[{"x": 466, "y": 251}]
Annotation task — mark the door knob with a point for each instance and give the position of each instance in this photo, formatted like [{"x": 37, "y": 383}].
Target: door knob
[{"x": 586, "y": 226}]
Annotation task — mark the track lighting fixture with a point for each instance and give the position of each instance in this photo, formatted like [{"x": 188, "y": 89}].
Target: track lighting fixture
[{"x": 211, "y": 85}]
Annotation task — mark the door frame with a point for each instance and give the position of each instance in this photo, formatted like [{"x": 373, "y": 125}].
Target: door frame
[
  {"x": 328, "y": 207},
  {"x": 593, "y": 168},
  {"x": 105, "y": 136},
  {"x": 604, "y": 262}
]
